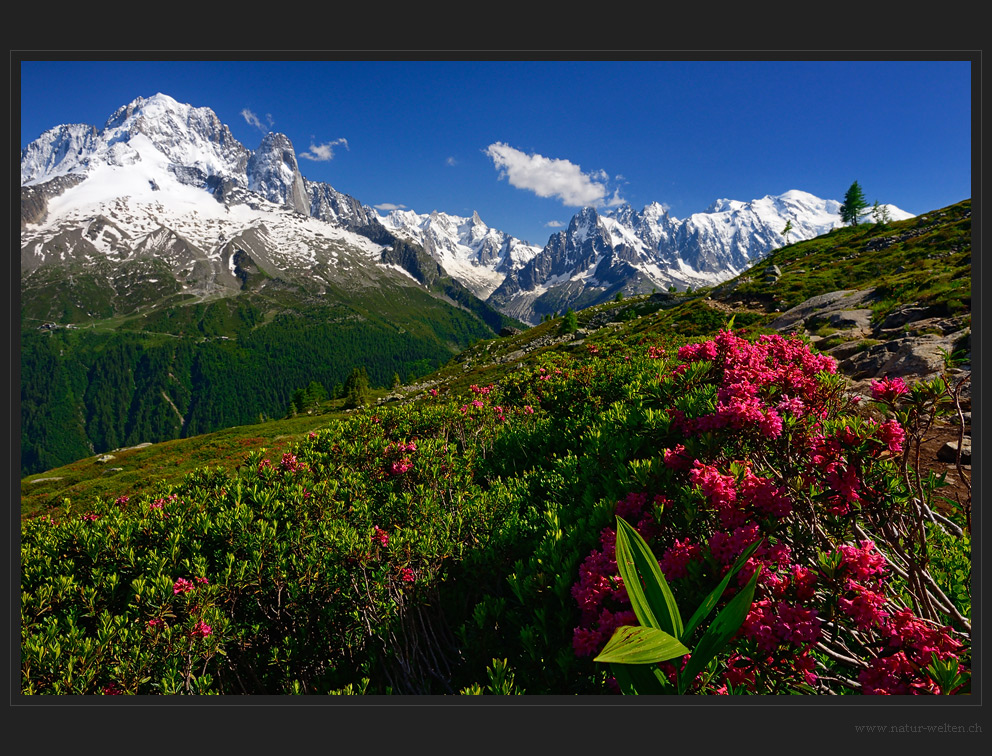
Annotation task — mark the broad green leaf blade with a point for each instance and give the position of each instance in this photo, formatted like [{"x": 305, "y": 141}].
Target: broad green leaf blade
[
  {"x": 624, "y": 678},
  {"x": 710, "y": 601},
  {"x": 640, "y": 680},
  {"x": 720, "y": 631},
  {"x": 641, "y": 645},
  {"x": 653, "y": 602}
]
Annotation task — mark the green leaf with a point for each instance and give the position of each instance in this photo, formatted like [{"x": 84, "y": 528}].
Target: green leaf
[
  {"x": 641, "y": 645},
  {"x": 640, "y": 679},
  {"x": 653, "y": 602},
  {"x": 720, "y": 631},
  {"x": 710, "y": 601}
]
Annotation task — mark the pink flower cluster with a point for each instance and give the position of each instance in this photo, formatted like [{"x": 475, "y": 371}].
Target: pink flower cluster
[
  {"x": 160, "y": 503},
  {"x": 202, "y": 630},
  {"x": 290, "y": 463},
  {"x": 698, "y": 352},
  {"x": 400, "y": 466},
  {"x": 726, "y": 547},
  {"x": 772, "y": 624},
  {"x": 830, "y": 468},
  {"x": 719, "y": 490},
  {"x": 599, "y": 592},
  {"x": 793, "y": 406},
  {"x": 888, "y": 389},
  {"x": 780, "y": 631},
  {"x": 862, "y": 562},
  {"x": 764, "y": 498},
  {"x": 860, "y": 575},
  {"x": 753, "y": 498},
  {"x": 892, "y": 435},
  {"x": 751, "y": 377},
  {"x": 912, "y": 645},
  {"x": 403, "y": 464},
  {"x": 825, "y": 465},
  {"x": 182, "y": 585},
  {"x": 676, "y": 458},
  {"x": 379, "y": 536},
  {"x": 543, "y": 374},
  {"x": 675, "y": 562}
]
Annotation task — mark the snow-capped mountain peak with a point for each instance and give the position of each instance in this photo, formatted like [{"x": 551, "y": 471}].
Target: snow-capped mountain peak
[
  {"x": 160, "y": 172},
  {"x": 470, "y": 251},
  {"x": 190, "y": 138},
  {"x": 640, "y": 251},
  {"x": 274, "y": 173}
]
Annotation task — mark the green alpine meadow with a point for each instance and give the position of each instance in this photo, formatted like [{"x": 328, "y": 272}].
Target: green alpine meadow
[{"x": 759, "y": 487}]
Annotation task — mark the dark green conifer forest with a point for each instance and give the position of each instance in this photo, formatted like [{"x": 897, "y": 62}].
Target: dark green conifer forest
[{"x": 86, "y": 391}]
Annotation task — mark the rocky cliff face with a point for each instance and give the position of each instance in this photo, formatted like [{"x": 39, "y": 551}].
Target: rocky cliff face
[
  {"x": 273, "y": 172},
  {"x": 34, "y": 199}
]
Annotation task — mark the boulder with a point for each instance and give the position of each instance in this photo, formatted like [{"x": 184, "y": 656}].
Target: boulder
[
  {"x": 917, "y": 356},
  {"x": 518, "y": 354},
  {"x": 903, "y": 315},
  {"x": 847, "y": 349},
  {"x": 820, "y": 306},
  {"x": 948, "y": 452},
  {"x": 850, "y": 319}
]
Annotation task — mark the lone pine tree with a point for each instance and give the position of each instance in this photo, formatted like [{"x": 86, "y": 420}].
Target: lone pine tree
[
  {"x": 854, "y": 205},
  {"x": 356, "y": 388}
]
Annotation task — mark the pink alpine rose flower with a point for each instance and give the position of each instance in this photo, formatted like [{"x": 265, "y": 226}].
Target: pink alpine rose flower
[{"x": 888, "y": 389}]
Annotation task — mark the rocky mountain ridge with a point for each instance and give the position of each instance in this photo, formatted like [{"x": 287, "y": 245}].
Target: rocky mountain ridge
[{"x": 178, "y": 166}]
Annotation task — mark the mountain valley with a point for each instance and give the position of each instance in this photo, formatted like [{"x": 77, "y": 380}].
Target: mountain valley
[{"x": 174, "y": 282}]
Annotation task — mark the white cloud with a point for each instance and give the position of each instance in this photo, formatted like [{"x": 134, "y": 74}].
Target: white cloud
[
  {"x": 554, "y": 224},
  {"x": 388, "y": 207},
  {"x": 255, "y": 121},
  {"x": 552, "y": 177},
  {"x": 451, "y": 161},
  {"x": 323, "y": 152}
]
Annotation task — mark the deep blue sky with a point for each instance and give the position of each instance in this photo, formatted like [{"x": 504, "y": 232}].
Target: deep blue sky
[{"x": 421, "y": 134}]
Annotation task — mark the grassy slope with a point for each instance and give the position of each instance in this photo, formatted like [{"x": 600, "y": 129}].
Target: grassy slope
[
  {"x": 928, "y": 261},
  {"x": 148, "y": 468}
]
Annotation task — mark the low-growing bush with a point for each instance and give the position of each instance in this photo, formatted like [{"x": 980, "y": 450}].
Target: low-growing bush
[{"x": 466, "y": 544}]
